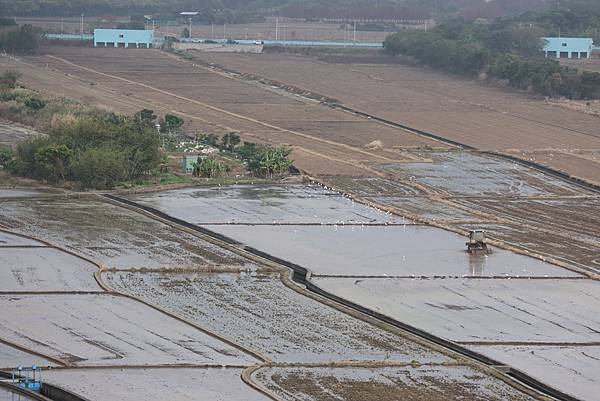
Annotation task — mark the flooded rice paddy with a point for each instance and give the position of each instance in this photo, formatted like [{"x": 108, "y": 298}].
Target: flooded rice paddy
[
  {"x": 272, "y": 204},
  {"x": 11, "y": 357},
  {"x": 45, "y": 269},
  {"x": 574, "y": 367},
  {"x": 107, "y": 330},
  {"x": 482, "y": 310},
  {"x": 6, "y": 395},
  {"x": 12, "y": 240},
  {"x": 419, "y": 383},
  {"x": 384, "y": 251},
  {"x": 258, "y": 311},
  {"x": 472, "y": 174},
  {"x": 157, "y": 384},
  {"x": 112, "y": 235}
]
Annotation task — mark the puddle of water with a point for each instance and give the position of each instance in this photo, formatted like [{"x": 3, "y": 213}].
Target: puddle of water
[
  {"x": 466, "y": 173},
  {"x": 259, "y": 311},
  {"x": 156, "y": 384},
  {"x": 573, "y": 370},
  {"x": 379, "y": 251},
  {"x": 439, "y": 383},
  {"x": 262, "y": 204},
  {"x": 44, "y": 269},
  {"x": 482, "y": 309}
]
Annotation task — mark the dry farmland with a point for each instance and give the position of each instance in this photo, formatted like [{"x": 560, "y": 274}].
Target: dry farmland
[{"x": 483, "y": 117}]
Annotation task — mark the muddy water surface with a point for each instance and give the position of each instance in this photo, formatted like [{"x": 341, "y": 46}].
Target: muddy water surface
[
  {"x": 112, "y": 235},
  {"x": 157, "y": 384},
  {"x": 45, "y": 269},
  {"x": 488, "y": 310},
  {"x": 420, "y": 383},
  {"x": 468, "y": 173},
  {"x": 259, "y": 311},
  {"x": 6, "y": 395},
  {"x": 281, "y": 204},
  {"x": 11, "y": 357},
  {"x": 380, "y": 251},
  {"x": 108, "y": 330},
  {"x": 572, "y": 369}
]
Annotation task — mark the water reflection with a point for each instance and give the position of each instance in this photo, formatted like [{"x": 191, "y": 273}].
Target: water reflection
[{"x": 477, "y": 264}]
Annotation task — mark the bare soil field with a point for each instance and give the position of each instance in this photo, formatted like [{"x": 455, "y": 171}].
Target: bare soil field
[
  {"x": 156, "y": 384},
  {"x": 259, "y": 312},
  {"x": 483, "y": 117},
  {"x": 419, "y": 383},
  {"x": 207, "y": 99},
  {"x": 592, "y": 64},
  {"x": 107, "y": 330},
  {"x": 130, "y": 240}
]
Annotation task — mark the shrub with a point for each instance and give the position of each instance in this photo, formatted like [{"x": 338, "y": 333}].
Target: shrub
[
  {"x": 35, "y": 103},
  {"x": 209, "y": 168},
  {"x": 100, "y": 168}
]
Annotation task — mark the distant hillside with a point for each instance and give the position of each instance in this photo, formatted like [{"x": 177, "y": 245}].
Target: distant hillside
[{"x": 237, "y": 10}]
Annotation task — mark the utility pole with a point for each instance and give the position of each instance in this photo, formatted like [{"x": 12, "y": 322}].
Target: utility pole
[
  {"x": 224, "y": 31},
  {"x": 81, "y": 26},
  {"x": 354, "y": 31},
  {"x": 62, "y": 25},
  {"x": 212, "y": 30},
  {"x": 190, "y": 30},
  {"x": 276, "y": 28}
]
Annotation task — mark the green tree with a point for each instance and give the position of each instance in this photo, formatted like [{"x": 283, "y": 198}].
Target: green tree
[
  {"x": 35, "y": 103},
  {"x": 54, "y": 160},
  {"x": 229, "y": 141},
  {"x": 101, "y": 167}
]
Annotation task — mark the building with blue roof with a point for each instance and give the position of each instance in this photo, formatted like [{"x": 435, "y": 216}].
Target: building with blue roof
[
  {"x": 568, "y": 47},
  {"x": 123, "y": 38}
]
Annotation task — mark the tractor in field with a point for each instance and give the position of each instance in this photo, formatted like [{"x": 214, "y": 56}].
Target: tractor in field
[{"x": 477, "y": 242}]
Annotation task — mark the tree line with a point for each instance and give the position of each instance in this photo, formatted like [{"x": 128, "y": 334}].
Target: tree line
[
  {"x": 231, "y": 11},
  {"x": 18, "y": 38},
  {"x": 91, "y": 147},
  {"x": 503, "y": 51}
]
